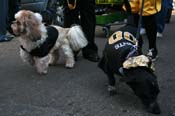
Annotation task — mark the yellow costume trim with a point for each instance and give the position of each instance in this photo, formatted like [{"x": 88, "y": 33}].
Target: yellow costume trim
[
  {"x": 119, "y": 35},
  {"x": 71, "y": 7},
  {"x": 141, "y": 60}
]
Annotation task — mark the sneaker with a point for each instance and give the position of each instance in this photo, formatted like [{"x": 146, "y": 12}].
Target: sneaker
[
  {"x": 142, "y": 31},
  {"x": 159, "y": 35},
  {"x": 4, "y": 38},
  {"x": 92, "y": 57},
  {"x": 9, "y": 34},
  {"x": 152, "y": 53}
]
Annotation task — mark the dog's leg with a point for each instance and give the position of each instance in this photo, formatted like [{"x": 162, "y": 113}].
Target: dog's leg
[
  {"x": 41, "y": 64},
  {"x": 147, "y": 90},
  {"x": 111, "y": 81},
  {"x": 76, "y": 55},
  {"x": 26, "y": 57},
  {"x": 69, "y": 56},
  {"x": 111, "y": 86},
  {"x": 103, "y": 64},
  {"x": 54, "y": 55}
]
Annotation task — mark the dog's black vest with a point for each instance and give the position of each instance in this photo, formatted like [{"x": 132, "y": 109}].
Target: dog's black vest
[
  {"x": 117, "y": 51},
  {"x": 47, "y": 45}
]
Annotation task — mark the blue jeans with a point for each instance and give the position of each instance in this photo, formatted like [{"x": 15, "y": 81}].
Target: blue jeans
[
  {"x": 3, "y": 17},
  {"x": 160, "y": 17},
  {"x": 170, "y": 3}
]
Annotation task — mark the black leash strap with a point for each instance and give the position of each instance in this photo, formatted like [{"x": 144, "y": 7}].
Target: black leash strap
[{"x": 140, "y": 21}]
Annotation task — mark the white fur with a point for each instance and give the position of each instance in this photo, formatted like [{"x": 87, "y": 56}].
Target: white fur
[
  {"x": 69, "y": 40},
  {"x": 39, "y": 17},
  {"x": 18, "y": 14},
  {"x": 77, "y": 38}
]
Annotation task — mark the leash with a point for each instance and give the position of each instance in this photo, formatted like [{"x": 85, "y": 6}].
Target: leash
[
  {"x": 129, "y": 12},
  {"x": 140, "y": 21},
  {"x": 128, "y": 9},
  {"x": 135, "y": 49}
]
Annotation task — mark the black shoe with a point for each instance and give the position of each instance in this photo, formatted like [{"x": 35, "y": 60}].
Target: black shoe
[
  {"x": 4, "y": 38},
  {"x": 92, "y": 57},
  {"x": 154, "y": 108}
]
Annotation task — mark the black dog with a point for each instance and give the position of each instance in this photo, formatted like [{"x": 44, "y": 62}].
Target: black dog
[{"x": 120, "y": 49}]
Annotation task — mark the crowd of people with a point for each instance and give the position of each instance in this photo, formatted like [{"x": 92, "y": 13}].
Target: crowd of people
[{"x": 156, "y": 12}]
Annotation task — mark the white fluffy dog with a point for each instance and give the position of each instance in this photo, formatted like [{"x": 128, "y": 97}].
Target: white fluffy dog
[{"x": 39, "y": 45}]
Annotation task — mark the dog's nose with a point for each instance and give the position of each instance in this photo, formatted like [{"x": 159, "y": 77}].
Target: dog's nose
[{"x": 14, "y": 29}]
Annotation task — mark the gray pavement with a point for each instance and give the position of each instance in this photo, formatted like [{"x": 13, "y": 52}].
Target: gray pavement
[{"x": 81, "y": 91}]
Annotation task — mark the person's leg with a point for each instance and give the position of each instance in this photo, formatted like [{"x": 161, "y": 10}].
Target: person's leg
[
  {"x": 169, "y": 10},
  {"x": 160, "y": 18},
  {"x": 3, "y": 20},
  {"x": 13, "y": 7},
  {"x": 142, "y": 30},
  {"x": 70, "y": 17},
  {"x": 151, "y": 31},
  {"x": 140, "y": 40},
  {"x": 88, "y": 23},
  {"x": 3, "y": 17},
  {"x": 168, "y": 17}
]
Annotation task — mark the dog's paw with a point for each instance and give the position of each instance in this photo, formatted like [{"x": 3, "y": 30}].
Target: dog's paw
[
  {"x": 112, "y": 93},
  {"x": 112, "y": 90},
  {"x": 154, "y": 108},
  {"x": 70, "y": 63},
  {"x": 42, "y": 72}
]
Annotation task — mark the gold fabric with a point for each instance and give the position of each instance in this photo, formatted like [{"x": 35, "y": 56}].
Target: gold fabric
[
  {"x": 150, "y": 6},
  {"x": 138, "y": 61},
  {"x": 119, "y": 35}
]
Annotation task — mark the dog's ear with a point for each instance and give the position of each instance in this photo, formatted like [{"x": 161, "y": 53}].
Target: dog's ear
[
  {"x": 39, "y": 17},
  {"x": 32, "y": 24}
]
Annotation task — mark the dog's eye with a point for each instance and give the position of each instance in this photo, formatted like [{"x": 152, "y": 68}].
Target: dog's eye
[{"x": 17, "y": 22}]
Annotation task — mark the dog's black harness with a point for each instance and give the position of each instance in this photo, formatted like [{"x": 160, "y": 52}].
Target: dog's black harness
[{"x": 43, "y": 49}]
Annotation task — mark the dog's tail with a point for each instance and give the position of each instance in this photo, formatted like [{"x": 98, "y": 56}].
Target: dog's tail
[{"x": 77, "y": 38}]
